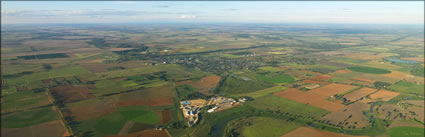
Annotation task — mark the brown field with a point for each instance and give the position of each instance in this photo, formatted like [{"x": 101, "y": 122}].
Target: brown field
[
  {"x": 414, "y": 102},
  {"x": 332, "y": 89},
  {"x": 149, "y": 102},
  {"x": 332, "y": 53},
  {"x": 165, "y": 116},
  {"x": 356, "y": 95},
  {"x": 85, "y": 112},
  {"x": 357, "y": 82},
  {"x": 311, "y": 132},
  {"x": 414, "y": 59},
  {"x": 70, "y": 93},
  {"x": 342, "y": 117},
  {"x": 204, "y": 84},
  {"x": 310, "y": 98},
  {"x": 144, "y": 133},
  {"x": 315, "y": 82},
  {"x": 384, "y": 95},
  {"x": 365, "y": 80},
  {"x": 118, "y": 49},
  {"x": 405, "y": 123},
  {"x": 48, "y": 129},
  {"x": 321, "y": 77},
  {"x": 343, "y": 71}
]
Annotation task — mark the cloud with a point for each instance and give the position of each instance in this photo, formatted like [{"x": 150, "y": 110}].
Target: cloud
[
  {"x": 125, "y": 2},
  {"x": 231, "y": 9},
  {"x": 187, "y": 16},
  {"x": 162, "y": 6}
]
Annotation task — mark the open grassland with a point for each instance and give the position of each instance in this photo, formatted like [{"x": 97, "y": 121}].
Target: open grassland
[
  {"x": 47, "y": 129},
  {"x": 272, "y": 102},
  {"x": 406, "y": 132},
  {"x": 28, "y": 118},
  {"x": 408, "y": 87},
  {"x": 263, "y": 92},
  {"x": 23, "y": 100},
  {"x": 282, "y": 78},
  {"x": 115, "y": 121},
  {"x": 238, "y": 84},
  {"x": 265, "y": 126}
]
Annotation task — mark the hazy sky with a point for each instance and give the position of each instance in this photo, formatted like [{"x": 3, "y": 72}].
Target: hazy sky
[{"x": 364, "y": 12}]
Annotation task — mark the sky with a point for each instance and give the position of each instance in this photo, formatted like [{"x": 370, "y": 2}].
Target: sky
[{"x": 349, "y": 12}]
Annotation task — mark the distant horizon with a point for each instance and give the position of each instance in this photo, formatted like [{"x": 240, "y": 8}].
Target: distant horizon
[{"x": 266, "y": 12}]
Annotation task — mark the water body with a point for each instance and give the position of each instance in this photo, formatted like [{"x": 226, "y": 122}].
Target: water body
[{"x": 402, "y": 61}]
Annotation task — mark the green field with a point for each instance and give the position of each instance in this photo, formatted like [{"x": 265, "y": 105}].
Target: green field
[
  {"x": 406, "y": 132},
  {"x": 23, "y": 100},
  {"x": 282, "y": 78},
  {"x": 113, "y": 122},
  {"x": 139, "y": 114},
  {"x": 28, "y": 118},
  {"x": 263, "y": 92},
  {"x": 268, "y": 127},
  {"x": 275, "y": 103},
  {"x": 369, "y": 70},
  {"x": 238, "y": 85},
  {"x": 408, "y": 87}
]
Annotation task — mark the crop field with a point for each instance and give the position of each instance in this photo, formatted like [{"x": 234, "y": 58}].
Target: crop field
[
  {"x": 23, "y": 100},
  {"x": 406, "y": 131},
  {"x": 310, "y": 98},
  {"x": 29, "y": 118},
  {"x": 263, "y": 92},
  {"x": 357, "y": 94},
  {"x": 384, "y": 95},
  {"x": 46, "y": 129},
  {"x": 262, "y": 126},
  {"x": 369, "y": 70},
  {"x": 125, "y": 80},
  {"x": 273, "y": 102},
  {"x": 332, "y": 89},
  {"x": 71, "y": 93},
  {"x": 408, "y": 87}
]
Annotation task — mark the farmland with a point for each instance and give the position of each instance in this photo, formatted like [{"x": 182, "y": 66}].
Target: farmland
[{"x": 129, "y": 79}]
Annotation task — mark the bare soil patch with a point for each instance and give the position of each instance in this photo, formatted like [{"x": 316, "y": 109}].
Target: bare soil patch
[
  {"x": 365, "y": 80},
  {"x": 356, "y": 95},
  {"x": 310, "y": 98},
  {"x": 104, "y": 107},
  {"x": 332, "y": 89},
  {"x": 384, "y": 95},
  {"x": 315, "y": 82},
  {"x": 343, "y": 71},
  {"x": 165, "y": 116},
  {"x": 70, "y": 93}
]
